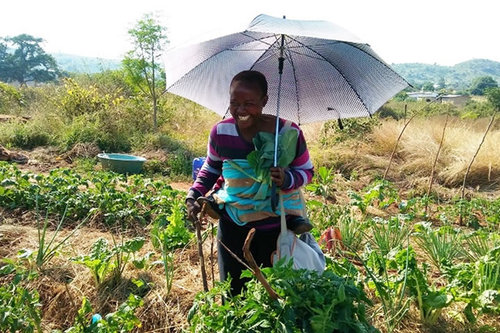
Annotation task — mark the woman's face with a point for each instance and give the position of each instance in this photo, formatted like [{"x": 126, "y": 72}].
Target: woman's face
[{"x": 246, "y": 104}]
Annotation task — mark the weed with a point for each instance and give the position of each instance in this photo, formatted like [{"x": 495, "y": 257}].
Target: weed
[
  {"x": 442, "y": 245},
  {"x": 389, "y": 234},
  {"x": 47, "y": 250}
]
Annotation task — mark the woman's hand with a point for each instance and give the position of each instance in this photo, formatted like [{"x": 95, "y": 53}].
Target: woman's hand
[
  {"x": 193, "y": 209},
  {"x": 278, "y": 176}
]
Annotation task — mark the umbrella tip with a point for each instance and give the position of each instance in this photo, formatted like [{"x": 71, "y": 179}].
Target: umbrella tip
[{"x": 341, "y": 126}]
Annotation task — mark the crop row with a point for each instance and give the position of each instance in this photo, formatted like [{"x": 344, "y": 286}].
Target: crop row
[
  {"x": 413, "y": 255},
  {"x": 109, "y": 197}
]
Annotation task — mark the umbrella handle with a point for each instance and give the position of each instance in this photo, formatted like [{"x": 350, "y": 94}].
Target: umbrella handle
[{"x": 274, "y": 197}]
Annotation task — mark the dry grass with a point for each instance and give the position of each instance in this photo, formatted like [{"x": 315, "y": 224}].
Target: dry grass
[
  {"x": 63, "y": 284},
  {"x": 418, "y": 148}
]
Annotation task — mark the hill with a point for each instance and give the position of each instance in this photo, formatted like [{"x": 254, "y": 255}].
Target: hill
[
  {"x": 458, "y": 77},
  {"x": 79, "y": 64}
]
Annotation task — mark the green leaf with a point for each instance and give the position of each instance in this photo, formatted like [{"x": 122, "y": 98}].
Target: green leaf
[{"x": 133, "y": 245}]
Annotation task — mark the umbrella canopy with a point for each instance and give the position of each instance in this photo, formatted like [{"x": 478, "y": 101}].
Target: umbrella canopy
[{"x": 328, "y": 73}]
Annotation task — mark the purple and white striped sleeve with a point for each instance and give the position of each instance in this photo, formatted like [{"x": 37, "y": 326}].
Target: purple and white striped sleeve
[
  {"x": 210, "y": 171},
  {"x": 301, "y": 171}
]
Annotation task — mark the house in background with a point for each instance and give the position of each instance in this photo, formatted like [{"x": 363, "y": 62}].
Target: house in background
[
  {"x": 429, "y": 96},
  {"x": 457, "y": 100}
]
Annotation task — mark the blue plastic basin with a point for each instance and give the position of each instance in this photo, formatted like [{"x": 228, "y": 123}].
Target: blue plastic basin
[{"x": 121, "y": 163}]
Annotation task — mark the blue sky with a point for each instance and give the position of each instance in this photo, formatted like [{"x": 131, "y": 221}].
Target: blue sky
[{"x": 440, "y": 31}]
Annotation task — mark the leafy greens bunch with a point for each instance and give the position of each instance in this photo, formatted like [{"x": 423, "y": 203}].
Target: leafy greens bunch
[{"x": 262, "y": 158}]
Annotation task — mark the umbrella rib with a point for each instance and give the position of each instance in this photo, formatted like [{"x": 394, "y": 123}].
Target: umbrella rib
[
  {"x": 215, "y": 54},
  {"x": 340, "y": 72},
  {"x": 263, "y": 53},
  {"x": 296, "y": 82}
]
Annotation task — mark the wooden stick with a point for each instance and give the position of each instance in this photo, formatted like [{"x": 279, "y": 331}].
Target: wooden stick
[
  {"x": 236, "y": 257},
  {"x": 206, "y": 221},
  {"x": 212, "y": 253},
  {"x": 256, "y": 270},
  {"x": 470, "y": 165},
  {"x": 396, "y": 145},
  {"x": 197, "y": 226},
  {"x": 434, "y": 164}
]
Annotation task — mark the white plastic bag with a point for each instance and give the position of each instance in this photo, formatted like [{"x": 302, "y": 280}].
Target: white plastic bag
[{"x": 304, "y": 251}]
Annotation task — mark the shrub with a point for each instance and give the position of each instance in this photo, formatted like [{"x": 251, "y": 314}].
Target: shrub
[
  {"x": 108, "y": 135},
  {"x": 10, "y": 98},
  {"x": 79, "y": 100},
  {"x": 353, "y": 128},
  {"x": 28, "y": 137}
]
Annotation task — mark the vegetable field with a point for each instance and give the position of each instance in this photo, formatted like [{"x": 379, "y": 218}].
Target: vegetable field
[{"x": 94, "y": 251}]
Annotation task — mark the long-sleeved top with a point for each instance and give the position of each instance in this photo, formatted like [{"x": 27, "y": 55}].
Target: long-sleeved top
[{"x": 225, "y": 142}]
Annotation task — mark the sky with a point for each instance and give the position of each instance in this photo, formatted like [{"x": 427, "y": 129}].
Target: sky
[{"x": 443, "y": 32}]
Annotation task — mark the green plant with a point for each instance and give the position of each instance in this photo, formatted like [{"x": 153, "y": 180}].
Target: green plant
[
  {"x": 308, "y": 303},
  {"x": 122, "y": 320},
  {"x": 389, "y": 234},
  {"x": 19, "y": 307},
  {"x": 98, "y": 260},
  {"x": 169, "y": 230},
  {"x": 430, "y": 300},
  {"x": 102, "y": 260},
  {"x": 477, "y": 284},
  {"x": 112, "y": 197},
  {"x": 47, "y": 250},
  {"x": 160, "y": 239},
  {"x": 389, "y": 282},
  {"x": 442, "y": 245},
  {"x": 380, "y": 193},
  {"x": 323, "y": 183},
  {"x": 479, "y": 243},
  {"x": 125, "y": 252}
]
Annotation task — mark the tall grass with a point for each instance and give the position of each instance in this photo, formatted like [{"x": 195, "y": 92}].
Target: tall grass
[
  {"x": 104, "y": 110},
  {"x": 419, "y": 145}
]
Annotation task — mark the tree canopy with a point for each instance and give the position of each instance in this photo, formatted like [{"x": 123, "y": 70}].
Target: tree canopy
[
  {"x": 23, "y": 60},
  {"x": 481, "y": 84},
  {"x": 143, "y": 63}
]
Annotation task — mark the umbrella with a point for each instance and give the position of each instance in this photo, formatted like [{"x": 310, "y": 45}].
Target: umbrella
[
  {"x": 316, "y": 71},
  {"x": 325, "y": 72}
]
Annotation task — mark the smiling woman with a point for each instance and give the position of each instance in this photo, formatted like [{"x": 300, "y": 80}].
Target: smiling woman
[{"x": 231, "y": 142}]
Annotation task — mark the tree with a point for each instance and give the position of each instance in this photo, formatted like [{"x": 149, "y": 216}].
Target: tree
[
  {"x": 23, "y": 60},
  {"x": 481, "y": 84},
  {"x": 428, "y": 86},
  {"x": 3, "y": 63},
  {"x": 493, "y": 95},
  {"x": 441, "y": 83},
  {"x": 142, "y": 64}
]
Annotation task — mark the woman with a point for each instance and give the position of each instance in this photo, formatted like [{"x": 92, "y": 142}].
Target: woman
[{"x": 231, "y": 139}]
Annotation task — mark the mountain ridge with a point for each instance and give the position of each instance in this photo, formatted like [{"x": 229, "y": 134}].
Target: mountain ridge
[{"x": 457, "y": 77}]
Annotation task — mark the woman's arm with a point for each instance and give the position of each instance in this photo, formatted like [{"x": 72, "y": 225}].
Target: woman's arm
[
  {"x": 301, "y": 170},
  {"x": 210, "y": 171}
]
